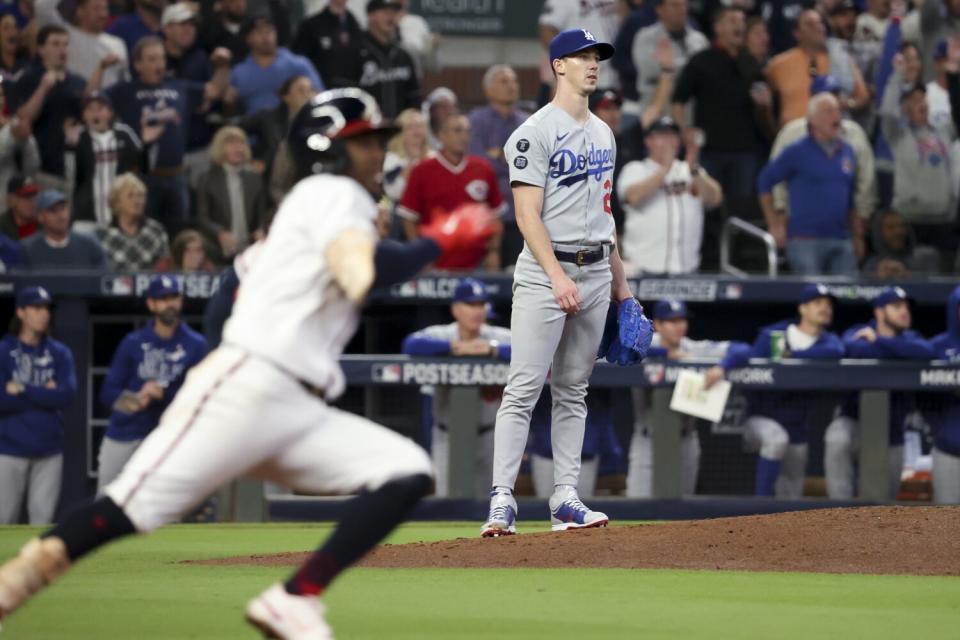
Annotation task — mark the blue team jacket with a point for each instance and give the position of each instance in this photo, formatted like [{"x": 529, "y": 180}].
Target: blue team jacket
[
  {"x": 31, "y": 425},
  {"x": 143, "y": 356},
  {"x": 790, "y": 409},
  {"x": 909, "y": 345},
  {"x": 944, "y": 418}
]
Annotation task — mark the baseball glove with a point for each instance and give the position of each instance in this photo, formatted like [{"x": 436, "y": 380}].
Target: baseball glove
[{"x": 628, "y": 341}]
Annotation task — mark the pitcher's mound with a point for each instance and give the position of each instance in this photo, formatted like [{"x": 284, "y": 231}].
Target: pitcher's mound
[{"x": 881, "y": 540}]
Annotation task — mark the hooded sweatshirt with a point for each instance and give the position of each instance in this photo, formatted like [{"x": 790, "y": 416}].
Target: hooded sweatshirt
[
  {"x": 31, "y": 423},
  {"x": 944, "y": 418},
  {"x": 790, "y": 409},
  {"x": 919, "y": 260}
]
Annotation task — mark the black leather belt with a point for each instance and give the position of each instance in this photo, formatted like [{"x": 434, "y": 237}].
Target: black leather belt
[
  {"x": 582, "y": 257},
  {"x": 481, "y": 429}
]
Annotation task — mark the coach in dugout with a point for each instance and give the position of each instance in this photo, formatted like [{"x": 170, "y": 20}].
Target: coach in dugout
[
  {"x": 147, "y": 370},
  {"x": 779, "y": 421},
  {"x": 39, "y": 381},
  {"x": 467, "y": 335},
  {"x": 887, "y": 337}
]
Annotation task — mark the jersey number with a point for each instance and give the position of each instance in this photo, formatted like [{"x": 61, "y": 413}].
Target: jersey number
[{"x": 607, "y": 185}]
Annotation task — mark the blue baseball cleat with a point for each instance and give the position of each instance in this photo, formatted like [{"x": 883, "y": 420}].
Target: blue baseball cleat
[
  {"x": 502, "y": 520},
  {"x": 568, "y": 512}
]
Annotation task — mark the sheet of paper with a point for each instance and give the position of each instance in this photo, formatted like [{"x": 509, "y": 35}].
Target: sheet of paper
[{"x": 691, "y": 398}]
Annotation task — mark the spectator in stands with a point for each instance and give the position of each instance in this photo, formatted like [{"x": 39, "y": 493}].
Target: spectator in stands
[
  {"x": 268, "y": 127},
  {"x": 944, "y": 414},
  {"x": 90, "y": 44},
  {"x": 938, "y": 99},
  {"x": 103, "y": 150},
  {"x": 670, "y": 341},
  {"x": 13, "y": 57},
  {"x": 440, "y": 104},
  {"x": 864, "y": 197},
  {"x": 887, "y": 337},
  {"x": 790, "y": 72},
  {"x": 145, "y": 374},
  {"x": 143, "y": 21},
  {"x": 468, "y": 335},
  {"x": 133, "y": 241},
  {"x": 892, "y": 238},
  {"x": 188, "y": 254},
  {"x": 46, "y": 96},
  {"x": 152, "y": 100},
  {"x": 404, "y": 151},
  {"x": 19, "y": 221},
  {"x": 11, "y": 254},
  {"x": 868, "y": 37},
  {"x": 599, "y": 18},
  {"x": 384, "y": 69},
  {"x": 327, "y": 39},
  {"x": 756, "y": 40},
  {"x": 670, "y": 30},
  {"x": 258, "y": 79},
  {"x": 664, "y": 201},
  {"x": 229, "y": 195},
  {"x": 40, "y": 381},
  {"x": 18, "y": 149},
  {"x": 821, "y": 234},
  {"x": 57, "y": 247},
  {"x": 731, "y": 105},
  {"x": 491, "y": 126},
  {"x": 634, "y": 16},
  {"x": 939, "y": 20},
  {"x": 607, "y": 105},
  {"x": 441, "y": 184},
  {"x": 780, "y": 421},
  {"x": 417, "y": 39},
  {"x": 842, "y": 22},
  {"x": 922, "y": 182},
  {"x": 186, "y": 60},
  {"x": 223, "y": 29}
]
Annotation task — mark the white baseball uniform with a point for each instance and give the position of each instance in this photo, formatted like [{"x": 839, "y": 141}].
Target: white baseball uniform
[{"x": 252, "y": 406}]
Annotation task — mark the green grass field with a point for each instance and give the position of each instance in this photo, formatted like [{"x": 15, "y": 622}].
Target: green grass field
[{"x": 140, "y": 589}]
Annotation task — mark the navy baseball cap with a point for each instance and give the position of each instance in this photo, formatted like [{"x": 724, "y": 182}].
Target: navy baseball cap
[
  {"x": 665, "y": 123},
  {"x": 566, "y": 43},
  {"x": 32, "y": 297},
  {"x": 98, "y": 96},
  {"x": 49, "y": 198},
  {"x": 162, "y": 286},
  {"x": 940, "y": 51},
  {"x": 670, "y": 309},
  {"x": 22, "y": 186},
  {"x": 824, "y": 84},
  {"x": 889, "y": 295},
  {"x": 813, "y": 291},
  {"x": 470, "y": 290}
]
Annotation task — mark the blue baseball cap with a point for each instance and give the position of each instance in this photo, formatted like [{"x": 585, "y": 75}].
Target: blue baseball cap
[
  {"x": 162, "y": 286},
  {"x": 470, "y": 290},
  {"x": 824, "y": 84},
  {"x": 49, "y": 198},
  {"x": 566, "y": 43},
  {"x": 940, "y": 50},
  {"x": 32, "y": 297},
  {"x": 813, "y": 291},
  {"x": 670, "y": 309},
  {"x": 889, "y": 295}
]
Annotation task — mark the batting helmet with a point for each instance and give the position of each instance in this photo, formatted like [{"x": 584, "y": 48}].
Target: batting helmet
[{"x": 316, "y": 135}]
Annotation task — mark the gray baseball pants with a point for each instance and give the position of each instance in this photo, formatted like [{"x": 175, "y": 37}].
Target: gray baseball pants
[
  {"x": 946, "y": 477},
  {"x": 114, "y": 454},
  {"x": 545, "y": 339},
  {"x": 37, "y": 480}
]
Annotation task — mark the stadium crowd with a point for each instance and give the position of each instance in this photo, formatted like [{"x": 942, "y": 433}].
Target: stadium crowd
[
  {"x": 150, "y": 137},
  {"x": 829, "y": 123}
]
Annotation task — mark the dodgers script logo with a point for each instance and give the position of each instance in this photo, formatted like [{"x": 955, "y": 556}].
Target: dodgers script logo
[{"x": 566, "y": 164}]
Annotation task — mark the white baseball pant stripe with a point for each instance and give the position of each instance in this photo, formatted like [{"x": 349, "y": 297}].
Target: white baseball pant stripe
[
  {"x": 946, "y": 477},
  {"x": 543, "y": 338},
  {"x": 35, "y": 479},
  {"x": 841, "y": 447},
  {"x": 237, "y": 415},
  {"x": 640, "y": 468},
  {"x": 771, "y": 440}
]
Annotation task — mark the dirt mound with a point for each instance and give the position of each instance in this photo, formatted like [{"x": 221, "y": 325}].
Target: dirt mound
[{"x": 879, "y": 540}]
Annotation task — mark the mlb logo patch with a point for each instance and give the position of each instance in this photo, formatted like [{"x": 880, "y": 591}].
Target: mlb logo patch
[{"x": 388, "y": 373}]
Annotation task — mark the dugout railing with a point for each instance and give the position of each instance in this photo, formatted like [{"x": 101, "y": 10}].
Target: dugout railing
[{"x": 89, "y": 304}]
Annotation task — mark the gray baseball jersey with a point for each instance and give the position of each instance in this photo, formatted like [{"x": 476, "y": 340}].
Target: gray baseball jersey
[{"x": 573, "y": 162}]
